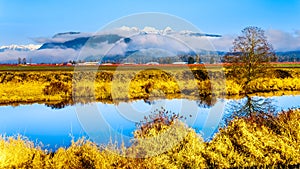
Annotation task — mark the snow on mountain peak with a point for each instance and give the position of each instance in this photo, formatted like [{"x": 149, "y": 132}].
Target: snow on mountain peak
[
  {"x": 126, "y": 28},
  {"x": 148, "y": 29},
  {"x": 29, "y": 47},
  {"x": 167, "y": 30}
]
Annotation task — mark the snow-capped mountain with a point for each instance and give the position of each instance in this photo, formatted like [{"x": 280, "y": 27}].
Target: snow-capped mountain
[
  {"x": 76, "y": 40},
  {"x": 115, "y": 43},
  {"x": 29, "y": 47}
]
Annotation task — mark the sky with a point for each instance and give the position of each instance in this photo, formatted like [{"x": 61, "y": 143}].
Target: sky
[{"x": 23, "y": 21}]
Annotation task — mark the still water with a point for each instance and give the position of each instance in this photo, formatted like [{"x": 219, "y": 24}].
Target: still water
[{"x": 103, "y": 123}]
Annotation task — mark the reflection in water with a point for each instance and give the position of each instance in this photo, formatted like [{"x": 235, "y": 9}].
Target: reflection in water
[
  {"x": 250, "y": 106},
  {"x": 53, "y": 126},
  {"x": 75, "y": 100},
  {"x": 205, "y": 101},
  {"x": 114, "y": 122},
  {"x": 60, "y": 105}
]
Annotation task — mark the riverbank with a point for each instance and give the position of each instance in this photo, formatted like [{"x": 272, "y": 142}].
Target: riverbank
[
  {"x": 124, "y": 85},
  {"x": 256, "y": 141}
]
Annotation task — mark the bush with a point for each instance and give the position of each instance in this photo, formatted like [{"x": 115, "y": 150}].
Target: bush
[
  {"x": 282, "y": 74},
  {"x": 56, "y": 88},
  {"x": 256, "y": 141}
]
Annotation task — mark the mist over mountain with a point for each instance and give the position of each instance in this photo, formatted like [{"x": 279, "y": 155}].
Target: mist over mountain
[
  {"x": 29, "y": 47},
  {"x": 125, "y": 44},
  {"x": 79, "y": 42},
  {"x": 115, "y": 44}
]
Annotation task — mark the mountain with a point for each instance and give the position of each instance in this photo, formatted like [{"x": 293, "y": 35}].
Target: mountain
[
  {"x": 76, "y": 40},
  {"x": 29, "y": 47},
  {"x": 205, "y": 34},
  {"x": 66, "y": 34},
  {"x": 124, "y": 44},
  {"x": 143, "y": 47},
  {"x": 74, "y": 44},
  {"x": 79, "y": 42}
]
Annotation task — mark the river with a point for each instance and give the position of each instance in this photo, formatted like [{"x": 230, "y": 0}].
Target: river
[{"x": 104, "y": 122}]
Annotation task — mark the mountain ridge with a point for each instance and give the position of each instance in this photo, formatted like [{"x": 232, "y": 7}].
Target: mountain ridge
[
  {"x": 66, "y": 46},
  {"x": 29, "y": 47}
]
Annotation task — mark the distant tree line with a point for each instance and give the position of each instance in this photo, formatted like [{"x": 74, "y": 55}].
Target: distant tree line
[
  {"x": 291, "y": 56},
  {"x": 22, "y": 61}
]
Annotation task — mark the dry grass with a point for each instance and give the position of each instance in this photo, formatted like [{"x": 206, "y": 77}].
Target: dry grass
[
  {"x": 264, "y": 142},
  {"x": 124, "y": 85}
]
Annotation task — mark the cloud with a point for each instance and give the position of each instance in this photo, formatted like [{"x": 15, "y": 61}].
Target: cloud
[
  {"x": 280, "y": 40},
  {"x": 195, "y": 40},
  {"x": 11, "y": 56},
  {"x": 53, "y": 55},
  {"x": 39, "y": 56},
  {"x": 284, "y": 41},
  {"x": 151, "y": 38},
  {"x": 223, "y": 43},
  {"x": 122, "y": 31},
  {"x": 131, "y": 31},
  {"x": 62, "y": 37},
  {"x": 297, "y": 33},
  {"x": 41, "y": 40},
  {"x": 197, "y": 43},
  {"x": 166, "y": 40},
  {"x": 101, "y": 49}
]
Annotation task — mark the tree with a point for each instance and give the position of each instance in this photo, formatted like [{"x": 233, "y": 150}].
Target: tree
[
  {"x": 191, "y": 60},
  {"x": 212, "y": 60},
  {"x": 24, "y": 61},
  {"x": 19, "y": 60},
  {"x": 197, "y": 59},
  {"x": 250, "y": 56}
]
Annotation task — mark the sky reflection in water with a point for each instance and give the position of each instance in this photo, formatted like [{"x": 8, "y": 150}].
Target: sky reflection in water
[{"x": 105, "y": 122}]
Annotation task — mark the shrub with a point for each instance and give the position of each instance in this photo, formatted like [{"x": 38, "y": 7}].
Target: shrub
[
  {"x": 252, "y": 142},
  {"x": 56, "y": 87}
]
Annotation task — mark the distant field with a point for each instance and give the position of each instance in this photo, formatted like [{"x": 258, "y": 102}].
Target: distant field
[
  {"x": 99, "y": 67},
  {"x": 125, "y": 67},
  {"x": 288, "y": 65},
  {"x": 35, "y": 68}
]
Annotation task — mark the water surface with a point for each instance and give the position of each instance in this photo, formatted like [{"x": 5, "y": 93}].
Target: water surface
[{"x": 102, "y": 122}]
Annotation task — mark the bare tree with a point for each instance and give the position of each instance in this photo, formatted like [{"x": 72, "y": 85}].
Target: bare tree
[
  {"x": 250, "y": 56},
  {"x": 24, "y": 61},
  {"x": 19, "y": 60}
]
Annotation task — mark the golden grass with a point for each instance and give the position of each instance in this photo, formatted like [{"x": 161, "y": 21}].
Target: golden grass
[
  {"x": 246, "y": 142},
  {"x": 33, "y": 86},
  {"x": 257, "y": 141}
]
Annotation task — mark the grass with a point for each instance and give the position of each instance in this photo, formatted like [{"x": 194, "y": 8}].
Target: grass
[
  {"x": 163, "y": 141},
  {"x": 256, "y": 141},
  {"x": 110, "y": 85}
]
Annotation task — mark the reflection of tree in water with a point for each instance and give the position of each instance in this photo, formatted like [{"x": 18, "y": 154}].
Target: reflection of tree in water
[
  {"x": 249, "y": 107},
  {"x": 206, "y": 101},
  {"x": 202, "y": 101},
  {"x": 73, "y": 101},
  {"x": 61, "y": 104},
  {"x": 250, "y": 59}
]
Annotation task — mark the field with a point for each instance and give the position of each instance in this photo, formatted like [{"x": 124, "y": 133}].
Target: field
[{"x": 67, "y": 84}]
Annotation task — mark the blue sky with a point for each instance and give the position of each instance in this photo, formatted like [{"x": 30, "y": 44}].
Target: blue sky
[{"x": 20, "y": 21}]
